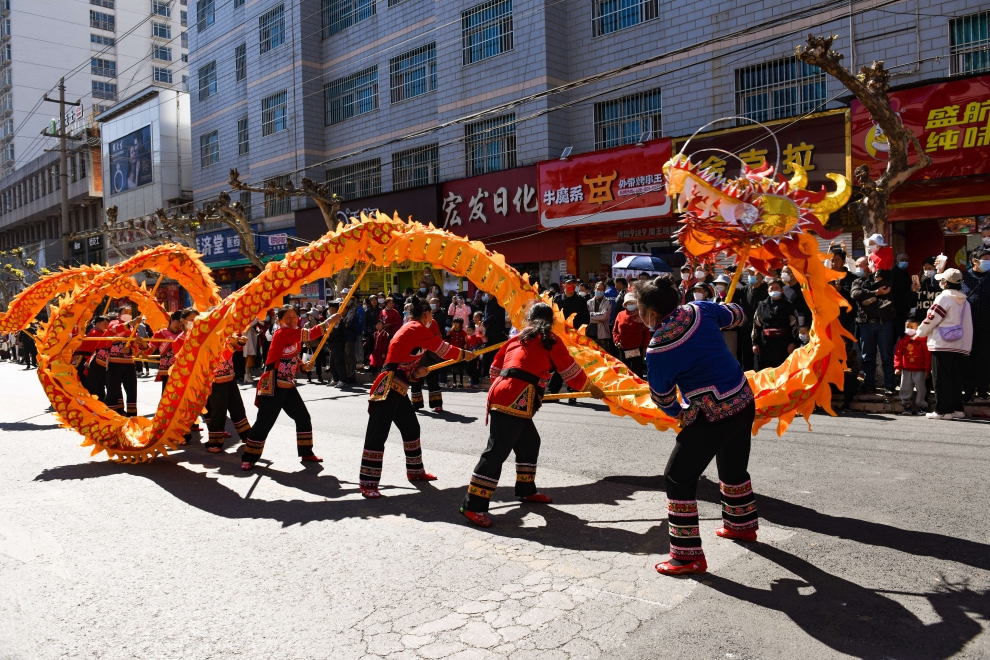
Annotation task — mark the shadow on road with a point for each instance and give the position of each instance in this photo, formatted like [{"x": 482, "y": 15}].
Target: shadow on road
[{"x": 26, "y": 426}]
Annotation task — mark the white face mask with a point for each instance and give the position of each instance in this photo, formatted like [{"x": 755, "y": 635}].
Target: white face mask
[
  {"x": 910, "y": 332},
  {"x": 189, "y": 325},
  {"x": 785, "y": 277},
  {"x": 125, "y": 318},
  {"x": 775, "y": 295},
  {"x": 698, "y": 295},
  {"x": 685, "y": 277},
  {"x": 699, "y": 274},
  {"x": 929, "y": 273},
  {"x": 803, "y": 338},
  {"x": 631, "y": 308},
  {"x": 873, "y": 247},
  {"x": 986, "y": 241},
  {"x": 433, "y": 305},
  {"x": 720, "y": 288}
]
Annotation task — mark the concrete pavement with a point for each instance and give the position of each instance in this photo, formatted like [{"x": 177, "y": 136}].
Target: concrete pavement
[{"x": 874, "y": 544}]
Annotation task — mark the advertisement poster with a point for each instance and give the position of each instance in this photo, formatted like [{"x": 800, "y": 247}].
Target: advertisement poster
[{"x": 130, "y": 161}]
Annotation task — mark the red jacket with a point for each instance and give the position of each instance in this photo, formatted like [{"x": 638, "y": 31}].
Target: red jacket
[
  {"x": 100, "y": 349},
  {"x": 407, "y": 348},
  {"x": 166, "y": 355},
  {"x": 381, "y": 349},
  {"x": 630, "y": 332},
  {"x": 392, "y": 320},
  {"x": 518, "y": 397},
  {"x": 912, "y": 354},
  {"x": 457, "y": 338}
]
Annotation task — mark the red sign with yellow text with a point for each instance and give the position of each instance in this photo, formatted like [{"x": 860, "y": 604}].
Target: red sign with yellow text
[
  {"x": 951, "y": 120},
  {"x": 613, "y": 185}
]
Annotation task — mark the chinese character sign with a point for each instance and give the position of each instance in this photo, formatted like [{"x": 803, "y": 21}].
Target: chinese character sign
[
  {"x": 491, "y": 204},
  {"x": 221, "y": 245},
  {"x": 950, "y": 119},
  {"x": 614, "y": 185}
]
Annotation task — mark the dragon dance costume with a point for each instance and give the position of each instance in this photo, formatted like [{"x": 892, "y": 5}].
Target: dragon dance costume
[
  {"x": 121, "y": 371},
  {"x": 520, "y": 373},
  {"x": 277, "y": 391},
  {"x": 687, "y": 352},
  {"x": 389, "y": 402},
  {"x": 432, "y": 379}
]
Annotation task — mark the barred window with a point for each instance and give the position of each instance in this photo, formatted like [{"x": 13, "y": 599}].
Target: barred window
[
  {"x": 101, "y": 40},
  {"x": 161, "y": 30},
  {"x": 273, "y": 205},
  {"x": 101, "y": 67},
  {"x": 102, "y": 3},
  {"x": 243, "y": 144},
  {"x": 209, "y": 149},
  {"x": 161, "y": 8},
  {"x": 351, "y": 95},
  {"x": 238, "y": 3},
  {"x": 101, "y": 21},
  {"x": 205, "y": 14},
  {"x": 245, "y": 200},
  {"x": 413, "y": 73},
  {"x": 357, "y": 180},
  {"x": 778, "y": 89},
  {"x": 184, "y": 39},
  {"x": 163, "y": 53},
  {"x": 613, "y": 15},
  {"x": 274, "y": 113},
  {"x": 271, "y": 28},
  {"x": 486, "y": 30},
  {"x": 416, "y": 167},
  {"x": 207, "y": 80},
  {"x": 338, "y": 15},
  {"x": 969, "y": 44},
  {"x": 183, "y": 18},
  {"x": 104, "y": 90},
  {"x": 240, "y": 62},
  {"x": 628, "y": 119},
  {"x": 490, "y": 145},
  {"x": 163, "y": 75}
]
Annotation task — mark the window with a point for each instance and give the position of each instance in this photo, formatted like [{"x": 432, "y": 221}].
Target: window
[
  {"x": 612, "y": 15},
  {"x": 207, "y": 80},
  {"x": 209, "y": 149},
  {"x": 5, "y": 53},
  {"x": 274, "y": 114},
  {"x": 163, "y": 53},
  {"x": 163, "y": 75},
  {"x": 969, "y": 44},
  {"x": 491, "y": 144},
  {"x": 161, "y": 30},
  {"x": 243, "y": 144},
  {"x": 104, "y": 90},
  {"x": 273, "y": 205},
  {"x": 271, "y": 28},
  {"x": 185, "y": 58},
  {"x": 357, "y": 180},
  {"x": 102, "y": 3},
  {"x": 245, "y": 200},
  {"x": 778, "y": 89},
  {"x": 240, "y": 62},
  {"x": 415, "y": 167},
  {"x": 626, "y": 120},
  {"x": 101, "y": 21},
  {"x": 338, "y": 15},
  {"x": 486, "y": 30},
  {"x": 413, "y": 73},
  {"x": 185, "y": 83},
  {"x": 161, "y": 8},
  {"x": 184, "y": 18},
  {"x": 100, "y": 67},
  {"x": 101, "y": 40},
  {"x": 204, "y": 14},
  {"x": 352, "y": 95},
  {"x": 184, "y": 39},
  {"x": 238, "y": 3}
]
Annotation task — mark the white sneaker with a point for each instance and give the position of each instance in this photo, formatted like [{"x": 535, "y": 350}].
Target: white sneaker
[
  {"x": 935, "y": 415},
  {"x": 958, "y": 415}
]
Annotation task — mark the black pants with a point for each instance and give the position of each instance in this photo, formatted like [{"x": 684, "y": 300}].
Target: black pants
[
  {"x": 289, "y": 400},
  {"x": 727, "y": 441},
  {"x": 507, "y": 433},
  {"x": 31, "y": 358},
  {"x": 122, "y": 374},
  {"x": 432, "y": 385},
  {"x": 224, "y": 398},
  {"x": 318, "y": 364},
  {"x": 746, "y": 347},
  {"x": 637, "y": 365},
  {"x": 96, "y": 381},
  {"x": 338, "y": 363},
  {"x": 949, "y": 373},
  {"x": 978, "y": 366},
  {"x": 381, "y": 414},
  {"x": 240, "y": 366},
  {"x": 850, "y": 384}
]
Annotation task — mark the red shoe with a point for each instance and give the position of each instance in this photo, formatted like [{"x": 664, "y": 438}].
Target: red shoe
[
  {"x": 311, "y": 459},
  {"x": 725, "y": 533},
  {"x": 479, "y": 519},
  {"x": 226, "y": 435},
  {"x": 694, "y": 568},
  {"x": 214, "y": 450},
  {"x": 438, "y": 409},
  {"x": 371, "y": 494},
  {"x": 247, "y": 466},
  {"x": 538, "y": 498},
  {"x": 426, "y": 476}
]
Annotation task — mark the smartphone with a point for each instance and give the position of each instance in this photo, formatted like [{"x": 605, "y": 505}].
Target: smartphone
[{"x": 915, "y": 280}]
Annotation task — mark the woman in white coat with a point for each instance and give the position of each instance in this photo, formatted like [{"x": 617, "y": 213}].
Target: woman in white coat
[
  {"x": 949, "y": 328},
  {"x": 251, "y": 351}
]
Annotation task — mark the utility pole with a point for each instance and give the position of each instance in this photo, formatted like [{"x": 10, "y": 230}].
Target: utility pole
[{"x": 63, "y": 173}]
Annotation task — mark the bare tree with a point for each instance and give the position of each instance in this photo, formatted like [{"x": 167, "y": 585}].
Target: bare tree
[
  {"x": 14, "y": 276},
  {"x": 870, "y": 87},
  {"x": 111, "y": 229},
  {"x": 234, "y": 216},
  {"x": 327, "y": 201},
  {"x": 178, "y": 227}
]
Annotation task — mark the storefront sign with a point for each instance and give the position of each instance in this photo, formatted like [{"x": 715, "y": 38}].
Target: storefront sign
[
  {"x": 644, "y": 232},
  {"x": 818, "y": 143},
  {"x": 219, "y": 245},
  {"x": 419, "y": 203},
  {"x": 951, "y": 120},
  {"x": 279, "y": 241},
  {"x": 496, "y": 203},
  {"x": 614, "y": 185}
]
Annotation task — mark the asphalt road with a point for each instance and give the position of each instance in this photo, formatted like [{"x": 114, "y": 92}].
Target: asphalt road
[{"x": 874, "y": 544}]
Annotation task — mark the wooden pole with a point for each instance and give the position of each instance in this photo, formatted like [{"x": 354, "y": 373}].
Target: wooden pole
[
  {"x": 740, "y": 265},
  {"x": 587, "y": 395},
  {"x": 343, "y": 308},
  {"x": 447, "y": 363}
]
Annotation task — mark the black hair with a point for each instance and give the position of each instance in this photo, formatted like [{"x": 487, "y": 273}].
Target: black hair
[
  {"x": 416, "y": 307},
  {"x": 779, "y": 282},
  {"x": 622, "y": 281},
  {"x": 539, "y": 322},
  {"x": 282, "y": 311},
  {"x": 175, "y": 316},
  {"x": 189, "y": 311},
  {"x": 659, "y": 294},
  {"x": 457, "y": 319},
  {"x": 928, "y": 260},
  {"x": 100, "y": 319},
  {"x": 953, "y": 285},
  {"x": 609, "y": 281},
  {"x": 839, "y": 252},
  {"x": 978, "y": 253}
]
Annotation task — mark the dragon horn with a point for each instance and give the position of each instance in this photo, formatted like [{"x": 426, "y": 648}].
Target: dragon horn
[
  {"x": 800, "y": 179},
  {"x": 834, "y": 200}
]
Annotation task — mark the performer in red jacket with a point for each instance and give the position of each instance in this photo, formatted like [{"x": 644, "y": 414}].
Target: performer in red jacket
[
  {"x": 631, "y": 337},
  {"x": 120, "y": 370},
  {"x": 389, "y": 402},
  {"x": 226, "y": 397},
  {"x": 432, "y": 378},
  {"x": 96, "y": 372},
  {"x": 520, "y": 373},
  {"x": 166, "y": 352},
  {"x": 277, "y": 388}
]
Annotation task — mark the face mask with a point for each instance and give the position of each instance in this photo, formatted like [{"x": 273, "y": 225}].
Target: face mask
[
  {"x": 699, "y": 274},
  {"x": 720, "y": 288},
  {"x": 785, "y": 277},
  {"x": 803, "y": 338},
  {"x": 189, "y": 325},
  {"x": 433, "y": 305},
  {"x": 768, "y": 280},
  {"x": 631, "y": 308},
  {"x": 984, "y": 265},
  {"x": 751, "y": 279},
  {"x": 902, "y": 264},
  {"x": 422, "y": 289},
  {"x": 599, "y": 294},
  {"x": 698, "y": 295},
  {"x": 860, "y": 272},
  {"x": 910, "y": 332},
  {"x": 685, "y": 277},
  {"x": 929, "y": 273},
  {"x": 828, "y": 263},
  {"x": 484, "y": 298},
  {"x": 125, "y": 318},
  {"x": 569, "y": 289},
  {"x": 381, "y": 301},
  {"x": 873, "y": 248},
  {"x": 986, "y": 241},
  {"x": 775, "y": 294}
]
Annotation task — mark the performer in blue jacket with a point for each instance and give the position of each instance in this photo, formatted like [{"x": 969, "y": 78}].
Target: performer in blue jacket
[{"x": 687, "y": 354}]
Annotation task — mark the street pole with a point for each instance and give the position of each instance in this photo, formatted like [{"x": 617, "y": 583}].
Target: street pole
[{"x": 63, "y": 174}]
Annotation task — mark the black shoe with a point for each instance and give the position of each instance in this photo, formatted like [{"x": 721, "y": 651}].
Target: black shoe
[
  {"x": 907, "y": 412},
  {"x": 889, "y": 392}
]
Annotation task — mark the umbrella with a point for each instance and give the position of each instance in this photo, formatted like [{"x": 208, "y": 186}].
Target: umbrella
[{"x": 642, "y": 262}]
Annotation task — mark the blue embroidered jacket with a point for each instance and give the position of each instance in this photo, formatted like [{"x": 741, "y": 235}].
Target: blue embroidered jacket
[{"x": 687, "y": 352}]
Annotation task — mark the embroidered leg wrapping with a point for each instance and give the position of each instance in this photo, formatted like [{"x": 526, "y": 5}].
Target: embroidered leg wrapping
[
  {"x": 252, "y": 449},
  {"x": 304, "y": 443},
  {"x": 216, "y": 439},
  {"x": 416, "y": 394},
  {"x": 739, "y": 507},
  {"x": 414, "y": 458},
  {"x": 479, "y": 493},
  {"x": 525, "y": 479},
  {"x": 243, "y": 428},
  {"x": 685, "y": 537},
  {"x": 371, "y": 469},
  {"x": 436, "y": 399},
  {"x": 132, "y": 410}
]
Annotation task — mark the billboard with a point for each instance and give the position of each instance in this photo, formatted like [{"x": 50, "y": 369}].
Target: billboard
[{"x": 130, "y": 161}]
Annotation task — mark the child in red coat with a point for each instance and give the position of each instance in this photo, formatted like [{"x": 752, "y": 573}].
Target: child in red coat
[
  {"x": 913, "y": 362},
  {"x": 381, "y": 347},
  {"x": 474, "y": 341},
  {"x": 458, "y": 338}
]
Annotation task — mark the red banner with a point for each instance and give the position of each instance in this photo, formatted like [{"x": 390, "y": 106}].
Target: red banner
[
  {"x": 951, "y": 119},
  {"x": 490, "y": 204},
  {"x": 614, "y": 185}
]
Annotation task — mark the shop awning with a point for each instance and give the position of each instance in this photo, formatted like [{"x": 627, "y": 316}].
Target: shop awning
[
  {"x": 941, "y": 198},
  {"x": 237, "y": 263}
]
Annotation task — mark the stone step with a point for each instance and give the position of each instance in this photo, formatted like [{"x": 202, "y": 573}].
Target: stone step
[{"x": 880, "y": 403}]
